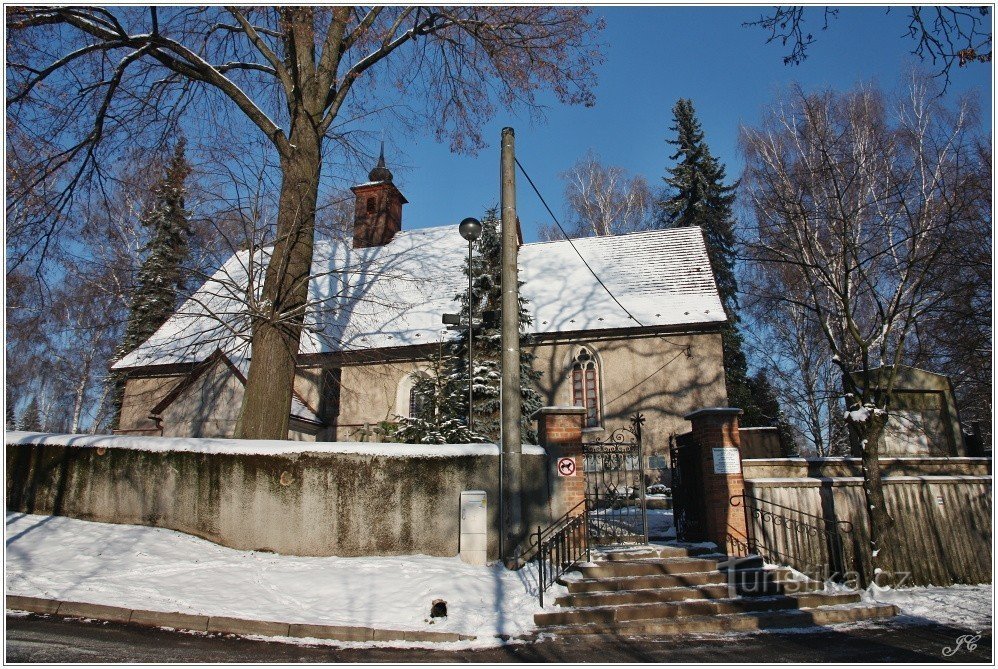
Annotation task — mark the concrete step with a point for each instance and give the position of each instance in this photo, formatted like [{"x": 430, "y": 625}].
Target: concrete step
[
  {"x": 748, "y": 579},
  {"x": 644, "y": 552},
  {"x": 645, "y": 596},
  {"x": 734, "y": 622},
  {"x": 648, "y": 567},
  {"x": 645, "y": 582},
  {"x": 693, "y": 607},
  {"x": 681, "y": 593}
]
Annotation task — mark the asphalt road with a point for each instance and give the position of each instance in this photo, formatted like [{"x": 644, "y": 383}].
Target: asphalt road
[{"x": 43, "y": 639}]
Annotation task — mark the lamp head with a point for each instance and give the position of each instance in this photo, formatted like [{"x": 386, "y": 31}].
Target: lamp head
[{"x": 471, "y": 229}]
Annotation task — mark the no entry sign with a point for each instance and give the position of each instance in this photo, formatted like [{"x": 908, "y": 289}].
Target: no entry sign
[{"x": 566, "y": 466}]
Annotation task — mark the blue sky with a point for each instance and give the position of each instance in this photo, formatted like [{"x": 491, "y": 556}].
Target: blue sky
[{"x": 654, "y": 55}]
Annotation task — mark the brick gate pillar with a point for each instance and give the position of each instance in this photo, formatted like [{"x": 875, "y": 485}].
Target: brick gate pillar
[
  {"x": 559, "y": 431},
  {"x": 716, "y": 432}
]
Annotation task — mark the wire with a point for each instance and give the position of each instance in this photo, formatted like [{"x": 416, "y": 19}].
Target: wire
[
  {"x": 688, "y": 348},
  {"x": 558, "y": 223}
]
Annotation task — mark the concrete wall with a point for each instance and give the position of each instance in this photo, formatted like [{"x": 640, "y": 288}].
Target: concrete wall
[
  {"x": 295, "y": 503},
  {"x": 942, "y": 507}
]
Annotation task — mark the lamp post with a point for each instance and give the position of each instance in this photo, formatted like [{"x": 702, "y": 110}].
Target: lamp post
[{"x": 471, "y": 229}]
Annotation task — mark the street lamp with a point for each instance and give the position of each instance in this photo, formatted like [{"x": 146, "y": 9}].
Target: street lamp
[{"x": 470, "y": 229}]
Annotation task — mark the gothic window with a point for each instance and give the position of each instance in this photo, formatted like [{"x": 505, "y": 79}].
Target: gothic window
[
  {"x": 417, "y": 402},
  {"x": 585, "y": 386}
]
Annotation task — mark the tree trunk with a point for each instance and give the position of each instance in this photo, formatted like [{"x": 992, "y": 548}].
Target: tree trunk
[
  {"x": 81, "y": 391},
  {"x": 276, "y": 329},
  {"x": 881, "y": 521}
]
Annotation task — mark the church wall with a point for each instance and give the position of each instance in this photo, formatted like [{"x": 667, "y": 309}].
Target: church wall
[
  {"x": 652, "y": 375},
  {"x": 209, "y": 408},
  {"x": 369, "y": 394},
  {"x": 141, "y": 395}
]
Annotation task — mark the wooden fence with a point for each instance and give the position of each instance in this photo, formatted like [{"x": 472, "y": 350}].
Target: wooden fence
[{"x": 943, "y": 519}]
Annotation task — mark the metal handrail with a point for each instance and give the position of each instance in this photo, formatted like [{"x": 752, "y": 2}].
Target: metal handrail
[
  {"x": 798, "y": 553},
  {"x": 560, "y": 546},
  {"x": 844, "y": 525}
]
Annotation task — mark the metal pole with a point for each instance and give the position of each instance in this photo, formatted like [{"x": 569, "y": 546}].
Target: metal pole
[
  {"x": 510, "y": 383},
  {"x": 471, "y": 336}
]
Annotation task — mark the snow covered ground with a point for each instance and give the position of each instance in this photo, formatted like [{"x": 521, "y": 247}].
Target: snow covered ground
[
  {"x": 965, "y": 606},
  {"x": 157, "y": 569}
]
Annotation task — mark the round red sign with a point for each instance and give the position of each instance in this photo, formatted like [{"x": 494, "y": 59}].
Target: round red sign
[{"x": 566, "y": 466}]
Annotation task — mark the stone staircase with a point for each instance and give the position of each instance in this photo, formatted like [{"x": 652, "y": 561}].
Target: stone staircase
[{"x": 679, "y": 589}]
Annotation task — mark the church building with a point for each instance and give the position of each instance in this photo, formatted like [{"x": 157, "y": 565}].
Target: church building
[{"x": 374, "y": 325}]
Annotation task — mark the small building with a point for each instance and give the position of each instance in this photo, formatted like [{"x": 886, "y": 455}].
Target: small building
[
  {"x": 923, "y": 419},
  {"x": 374, "y": 325}
]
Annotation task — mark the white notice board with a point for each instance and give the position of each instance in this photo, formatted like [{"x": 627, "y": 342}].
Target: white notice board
[{"x": 727, "y": 461}]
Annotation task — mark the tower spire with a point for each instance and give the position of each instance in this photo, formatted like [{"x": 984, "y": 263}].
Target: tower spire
[{"x": 381, "y": 171}]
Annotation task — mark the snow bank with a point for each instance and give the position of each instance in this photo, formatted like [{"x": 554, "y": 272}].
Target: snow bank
[
  {"x": 157, "y": 569},
  {"x": 258, "y": 446}
]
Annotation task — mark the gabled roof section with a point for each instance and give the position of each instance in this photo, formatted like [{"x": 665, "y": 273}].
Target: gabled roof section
[
  {"x": 299, "y": 408},
  {"x": 393, "y": 296}
]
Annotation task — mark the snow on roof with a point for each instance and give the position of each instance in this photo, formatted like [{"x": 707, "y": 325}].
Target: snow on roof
[{"x": 394, "y": 295}]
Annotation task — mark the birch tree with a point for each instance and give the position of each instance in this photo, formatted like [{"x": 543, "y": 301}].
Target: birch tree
[
  {"x": 602, "y": 199},
  {"x": 853, "y": 196},
  {"x": 87, "y": 80}
]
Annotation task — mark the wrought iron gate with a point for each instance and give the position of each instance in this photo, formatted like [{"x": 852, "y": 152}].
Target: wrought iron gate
[
  {"x": 615, "y": 487},
  {"x": 688, "y": 502}
]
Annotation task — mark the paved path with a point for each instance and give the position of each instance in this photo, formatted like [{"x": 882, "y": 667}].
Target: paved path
[{"x": 48, "y": 639}]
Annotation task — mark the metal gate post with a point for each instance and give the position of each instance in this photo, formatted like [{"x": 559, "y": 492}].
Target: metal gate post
[{"x": 637, "y": 421}]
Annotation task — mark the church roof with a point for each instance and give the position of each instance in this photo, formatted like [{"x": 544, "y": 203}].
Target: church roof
[{"x": 394, "y": 295}]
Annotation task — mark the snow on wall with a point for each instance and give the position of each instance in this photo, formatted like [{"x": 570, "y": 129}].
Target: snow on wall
[
  {"x": 393, "y": 295},
  {"x": 258, "y": 446}
]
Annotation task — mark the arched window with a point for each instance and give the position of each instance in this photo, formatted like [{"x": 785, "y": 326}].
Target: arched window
[
  {"x": 418, "y": 401},
  {"x": 585, "y": 385},
  {"x": 371, "y": 205},
  {"x": 412, "y": 397}
]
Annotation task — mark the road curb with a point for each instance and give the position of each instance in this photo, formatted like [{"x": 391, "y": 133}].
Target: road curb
[{"x": 222, "y": 624}]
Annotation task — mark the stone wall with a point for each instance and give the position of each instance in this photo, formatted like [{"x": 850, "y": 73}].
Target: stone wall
[{"x": 295, "y": 502}]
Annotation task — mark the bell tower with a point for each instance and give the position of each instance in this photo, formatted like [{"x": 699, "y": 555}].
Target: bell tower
[{"x": 377, "y": 207}]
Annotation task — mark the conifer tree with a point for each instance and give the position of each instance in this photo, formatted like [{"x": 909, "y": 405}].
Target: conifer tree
[
  {"x": 453, "y": 392},
  {"x": 161, "y": 277},
  {"x": 10, "y": 420},
  {"x": 697, "y": 195},
  {"x": 31, "y": 419}
]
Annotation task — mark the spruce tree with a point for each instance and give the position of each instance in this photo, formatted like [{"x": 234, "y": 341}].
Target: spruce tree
[
  {"x": 697, "y": 195},
  {"x": 31, "y": 419},
  {"x": 10, "y": 420},
  {"x": 453, "y": 391},
  {"x": 161, "y": 277}
]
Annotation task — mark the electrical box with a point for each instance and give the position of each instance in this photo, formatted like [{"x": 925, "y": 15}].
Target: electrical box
[{"x": 474, "y": 527}]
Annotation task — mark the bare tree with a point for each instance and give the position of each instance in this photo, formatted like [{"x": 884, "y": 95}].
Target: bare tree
[
  {"x": 784, "y": 338},
  {"x": 91, "y": 76},
  {"x": 944, "y": 36},
  {"x": 956, "y": 337},
  {"x": 853, "y": 195},
  {"x": 602, "y": 199}
]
